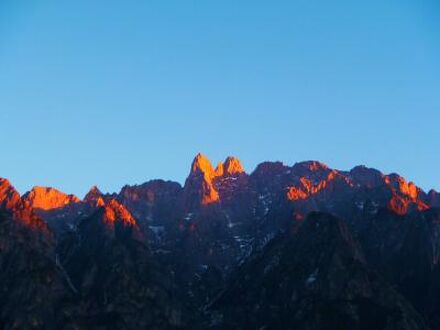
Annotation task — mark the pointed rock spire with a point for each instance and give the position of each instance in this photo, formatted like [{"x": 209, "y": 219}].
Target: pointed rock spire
[
  {"x": 220, "y": 169},
  {"x": 94, "y": 197},
  {"x": 94, "y": 191},
  {"x": 201, "y": 164},
  {"x": 9, "y": 197},
  {"x": 201, "y": 183},
  {"x": 232, "y": 166},
  {"x": 199, "y": 188}
]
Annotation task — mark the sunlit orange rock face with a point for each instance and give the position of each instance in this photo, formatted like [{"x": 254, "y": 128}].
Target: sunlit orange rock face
[
  {"x": 115, "y": 211},
  {"x": 203, "y": 173},
  {"x": 398, "y": 205},
  {"x": 404, "y": 195},
  {"x": 401, "y": 205},
  {"x": 232, "y": 166},
  {"x": 202, "y": 165},
  {"x": 307, "y": 188},
  {"x": 391, "y": 191},
  {"x": 294, "y": 194},
  {"x": 21, "y": 210},
  {"x": 201, "y": 181},
  {"x": 45, "y": 198},
  {"x": 400, "y": 185},
  {"x": 115, "y": 217},
  {"x": 9, "y": 197}
]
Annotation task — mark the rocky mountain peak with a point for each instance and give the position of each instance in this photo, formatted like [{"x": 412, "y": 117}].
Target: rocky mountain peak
[
  {"x": 199, "y": 187},
  {"x": 312, "y": 170},
  {"x": 94, "y": 197},
  {"x": 313, "y": 165},
  {"x": 9, "y": 197},
  {"x": 94, "y": 191},
  {"x": 219, "y": 170},
  {"x": 46, "y": 198},
  {"x": 366, "y": 176},
  {"x": 232, "y": 166},
  {"x": 19, "y": 208},
  {"x": 201, "y": 164}
]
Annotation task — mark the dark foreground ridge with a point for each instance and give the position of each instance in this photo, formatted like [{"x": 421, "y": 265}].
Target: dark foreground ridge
[{"x": 285, "y": 247}]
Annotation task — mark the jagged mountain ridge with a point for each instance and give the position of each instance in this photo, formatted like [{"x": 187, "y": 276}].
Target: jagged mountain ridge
[
  {"x": 302, "y": 181},
  {"x": 199, "y": 235}
]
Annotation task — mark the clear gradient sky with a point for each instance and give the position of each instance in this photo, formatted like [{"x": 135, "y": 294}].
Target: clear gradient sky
[{"x": 120, "y": 92}]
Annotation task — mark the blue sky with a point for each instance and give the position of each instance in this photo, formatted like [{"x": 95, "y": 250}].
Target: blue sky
[{"x": 120, "y": 92}]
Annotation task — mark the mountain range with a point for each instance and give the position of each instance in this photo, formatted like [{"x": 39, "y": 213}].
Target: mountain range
[{"x": 284, "y": 247}]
